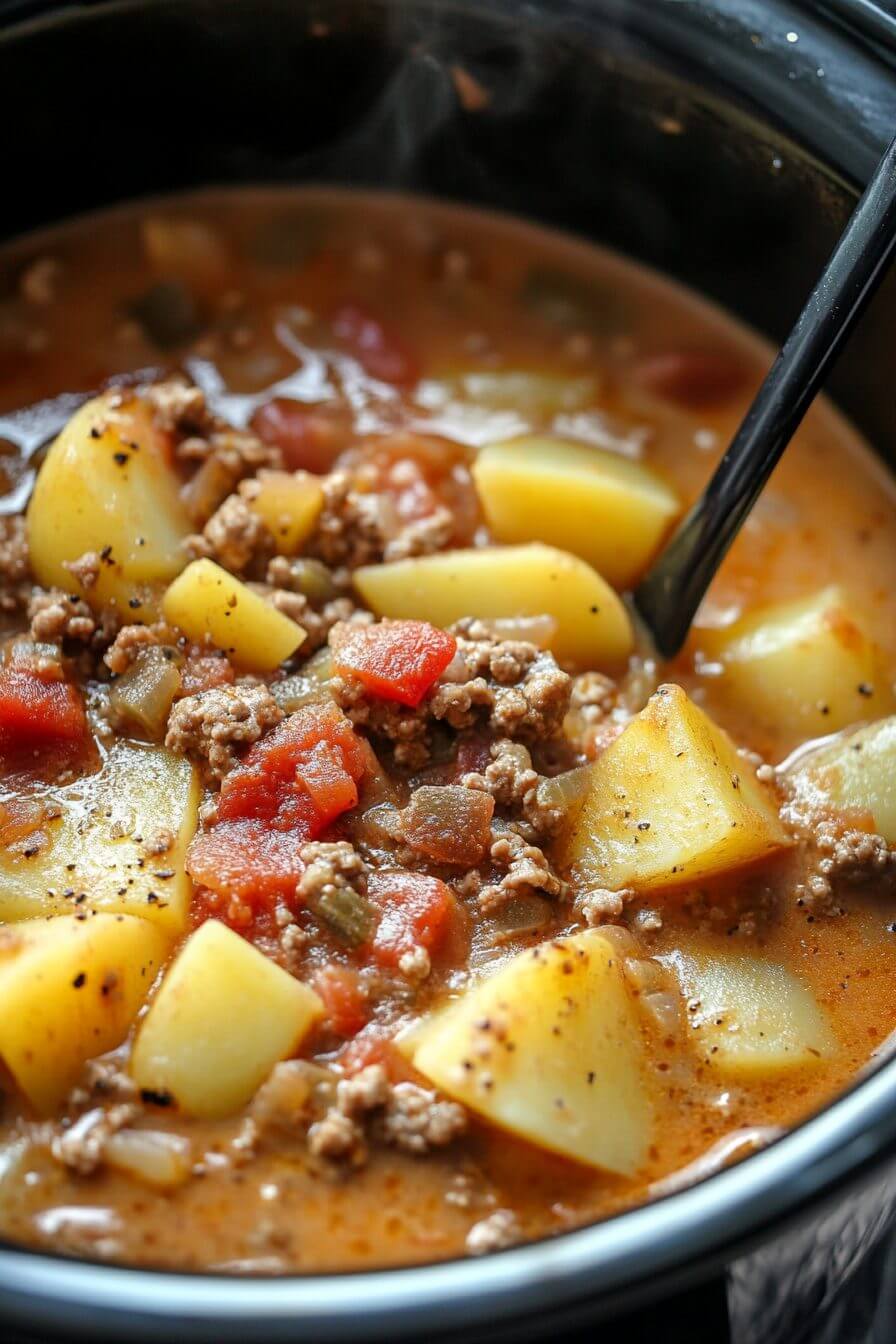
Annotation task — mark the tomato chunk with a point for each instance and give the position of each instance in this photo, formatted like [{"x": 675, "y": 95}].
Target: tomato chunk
[
  {"x": 345, "y": 1003},
  {"x": 309, "y": 437},
  {"x": 290, "y": 787},
  {"x": 396, "y": 660},
  {"x": 33, "y": 710},
  {"x": 377, "y": 350},
  {"x": 415, "y": 911}
]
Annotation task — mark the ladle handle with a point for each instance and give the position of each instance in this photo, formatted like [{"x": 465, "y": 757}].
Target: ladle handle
[{"x": 671, "y": 592}]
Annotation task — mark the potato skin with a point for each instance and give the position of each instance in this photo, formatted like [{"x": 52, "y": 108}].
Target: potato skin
[
  {"x": 206, "y": 601},
  {"x": 670, "y": 802},
  {"x": 108, "y": 486},
  {"x": 222, "y": 1018},
  {"x": 70, "y": 989},
  {"x": 610, "y": 511},
  {"x": 593, "y": 627}
]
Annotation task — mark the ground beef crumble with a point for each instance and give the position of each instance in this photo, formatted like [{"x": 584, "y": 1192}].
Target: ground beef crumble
[
  {"x": 835, "y": 854},
  {"x": 82, "y": 1146},
  {"x": 56, "y": 615},
  {"x": 402, "y": 1115},
  {"x": 328, "y": 866},
  {"x": 235, "y": 536},
  {"x": 513, "y": 783},
  {"x": 495, "y": 1232},
  {"x": 131, "y": 640},
  {"x": 213, "y": 727},
  {"x": 15, "y": 572}
]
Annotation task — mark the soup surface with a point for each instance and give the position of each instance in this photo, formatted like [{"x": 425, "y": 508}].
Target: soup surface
[{"x": 369, "y": 893}]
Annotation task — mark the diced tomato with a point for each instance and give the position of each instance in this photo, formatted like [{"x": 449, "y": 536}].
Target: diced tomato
[
  {"x": 290, "y": 787},
  {"x": 377, "y": 350},
  {"x": 247, "y": 860},
  {"x": 309, "y": 437},
  {"x": 370, "y": 1046},
  {"x": 473, "y": 755},
  {"x": 692, "y": 378},
  {"x": 345, "y": 1003},
  {"x": 397, "y": 660},
  {"x": 415, "y": 911},
  {"x": 36, "y": 711}
]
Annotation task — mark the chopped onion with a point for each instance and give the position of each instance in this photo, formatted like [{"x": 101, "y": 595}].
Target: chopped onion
[
  {"x": 310, "y": 686},
  {"x": 312, "y": 579},
  {"x": 152, "y": 1155},
  {"x": 145, "y": 693},
  {"x": 566, "y": 792},
  {"x": 537, "y": 630},
  {"x": 346, "y": 913},
  {"x": 206, "y": 489},
  {"x": 450, "y": 824},
  {"x": 523, "y": 913}
]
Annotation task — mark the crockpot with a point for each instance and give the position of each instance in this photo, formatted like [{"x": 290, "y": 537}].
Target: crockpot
[{"x": 722, "y": 141}]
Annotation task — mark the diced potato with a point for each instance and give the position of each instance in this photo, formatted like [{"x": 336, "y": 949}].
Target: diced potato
[
  {"x": 750, "y": 1016},
  {"x": 856, "y": 772},
  {"x": 208, "y": 602},
  {"x": 670, "y": 802},
  {"x": 95, "y": 854},
  {"x": 550, "y": 1048},
  {"x": 803, "y": 668},
  {"x": 593, "y": 627},
  {"x": 531, "y": 394},
  {"x": 609, "y": 510},
  {"x": 69, "y": 990},
  {"x": 108, "y": 485},
  {"x": 223, "y": 1017},
  {"x": 289, "y": 504}
]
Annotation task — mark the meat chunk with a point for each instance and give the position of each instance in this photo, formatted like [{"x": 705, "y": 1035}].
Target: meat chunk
[
  {"x": 834, "y": 854},
  {"x": 528, "y": 869},
  {"x": 235, "y": 536},
  {"x": 513, "y": 783},
  {"x": 353, "y": 526},
  {"x": 494, "y": 1233},
  {"x": 212, "y": 728},
  {"x": 417, "y": 1120},
  {"x": 82, "y": 1146},
  {"x": 56, "y": 615},
  {"x": 132, "y": 640},
  {"x": 15, "y": 571}
]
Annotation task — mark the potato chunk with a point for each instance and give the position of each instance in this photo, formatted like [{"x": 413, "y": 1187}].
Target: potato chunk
[
  {"x": 223, "y": 1017},
  {"x": 592, "y": 626},
  {"x": 550, "y": 1048},
  {"x": 101, "y": 851},
  {"x": 854, "y": 771},
  {"x": 208, "y": 602},
  {"x": 803, "y": 668},
  {"x": 599, "y": 505},
  {"x": 69, "y": 990},
  {"x": 750, "y": 1016},
  {"x": 289, "y": 504},
  {"x": 108, "y": 486},
  {"x": 670, "y": 802}
]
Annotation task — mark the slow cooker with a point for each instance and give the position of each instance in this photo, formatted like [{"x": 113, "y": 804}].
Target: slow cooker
[{"x": 721, "y": 141}]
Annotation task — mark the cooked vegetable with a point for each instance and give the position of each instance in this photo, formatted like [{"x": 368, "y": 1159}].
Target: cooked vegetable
[
  {"x": 108, "y": 486},
  {"x": 599, "y": 505},
  {"x": 395, "y": 660},
  {"x": 856, "y": 772},
  {"x": 549, "y": 1047},
  {"x": 223, "y": 1017},
  {"x": 377, "y": 348},
  {"x": 449, "y": 824},
  {"x": 35, "y": 711},
  {"x": 154, "y": 1156},
  {"x": 142, "y": 697},
  {"x": 536, "y": 395},
  {"x": 670, "y": 802},
  {"x": 414, "y": 911},
  {"x": 310, "y": 685},
  {"x": 104, "y": 844},
  {"x": 750, "y": 1016},
  {"x": 290, "y": 786},
  {"x": 207, "y": 602},
  {"x": 289, "y": 504},
  {"x": 803, "y": 668},
  {"x": 69, "y": 990},
  {"x": 346, "y": 912},
  {"x": 593, "y": 627}
]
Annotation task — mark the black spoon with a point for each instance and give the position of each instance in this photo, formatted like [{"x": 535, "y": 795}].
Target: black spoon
[{"x": 668, "y": 596}]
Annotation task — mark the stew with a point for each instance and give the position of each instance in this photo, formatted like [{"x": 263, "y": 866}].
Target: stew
[{"x": 369, "y": 892}]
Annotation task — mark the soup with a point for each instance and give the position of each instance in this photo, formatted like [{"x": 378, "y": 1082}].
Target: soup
[{"x": 370, "y": 893}]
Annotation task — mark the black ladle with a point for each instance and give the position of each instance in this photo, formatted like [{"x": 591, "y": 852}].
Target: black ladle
[{"x": 669, "y": 595}]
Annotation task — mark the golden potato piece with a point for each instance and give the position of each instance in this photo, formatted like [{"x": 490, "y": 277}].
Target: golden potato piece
[
  {"x": 289, "y": 504},
  {"x": 549, "y": 1047},
  {"x": 592, "y": 626},
  {"x": 108, "y": 486},
  {"x": 750, "y": 1017},
  {"x": 208, "y": 602},
  {"x": 97, "y": 852},
  {"x": 802, "y": 668},
  {"x": 69, "y": 990},
  {"x": 609, "y": 510},
  {"x": 855, "y": 771},
  {"x": 670, "y": 802},
  {"x": 222, "y": 1018}
]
